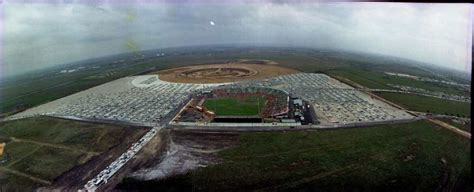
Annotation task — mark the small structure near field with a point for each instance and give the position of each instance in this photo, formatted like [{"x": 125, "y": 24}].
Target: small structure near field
[
  {"x": 3, "y": 156},
  {"x": 2, "y": 148}
]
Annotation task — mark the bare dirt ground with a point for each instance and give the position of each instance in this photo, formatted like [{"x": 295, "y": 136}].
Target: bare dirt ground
[
  {"x": 185, "y": 151},
  {"x": 226, "y": 72}
]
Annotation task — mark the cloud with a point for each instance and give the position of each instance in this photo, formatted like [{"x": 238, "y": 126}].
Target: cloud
[{"x": 43, "y": 35}]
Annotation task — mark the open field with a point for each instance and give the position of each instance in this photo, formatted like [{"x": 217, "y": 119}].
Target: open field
[
  {"x": 375, "y": 78},
  {"x": 49, "y": 162},
  {"x": 429, "y": 104},
  {"x": 247, "y": 106},
  {"x": 16, "y": 183},
  {"x": 41, "y": 149},
  {"x": 415, "y": 156}
]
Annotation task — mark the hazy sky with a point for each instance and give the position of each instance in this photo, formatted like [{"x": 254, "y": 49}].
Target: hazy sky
[{"x": 48, "y": 34}]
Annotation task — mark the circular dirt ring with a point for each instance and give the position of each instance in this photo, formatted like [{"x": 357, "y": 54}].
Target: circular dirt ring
[
  {"x": 222, "y": 73},
  {"x": 217, "y": 73}
]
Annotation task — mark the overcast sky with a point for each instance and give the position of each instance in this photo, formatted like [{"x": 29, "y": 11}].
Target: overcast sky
[{"x": 41, "y": 35}]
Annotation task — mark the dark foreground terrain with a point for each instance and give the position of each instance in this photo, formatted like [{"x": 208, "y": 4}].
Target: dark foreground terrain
[
  {"x": 415, "y": 156},
  {"x": 51, "y": 152}
]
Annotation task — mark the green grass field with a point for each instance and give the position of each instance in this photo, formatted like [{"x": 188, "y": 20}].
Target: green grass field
[
  {"x": 433, "y": 105},
  {"x": 375, "y": 78},
  {"x": 401, "y": 157},
  {"x": 246, "y": 106},
  {"x": 42, "y": 148}
]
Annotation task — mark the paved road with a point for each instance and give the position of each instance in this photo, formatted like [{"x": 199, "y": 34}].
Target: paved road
[{"x": 287, "y": 128}]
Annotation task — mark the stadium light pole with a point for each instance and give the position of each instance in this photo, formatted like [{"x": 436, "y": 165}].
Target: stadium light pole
[
  {"x": 259, "y": 110},
  {"x": 273, "y": 109},
  {"x": 215, "y": 106}
]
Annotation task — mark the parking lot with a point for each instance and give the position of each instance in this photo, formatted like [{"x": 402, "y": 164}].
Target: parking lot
[
  {"x": 148, "y": 99},
  {"x": 333, "y": 101}
]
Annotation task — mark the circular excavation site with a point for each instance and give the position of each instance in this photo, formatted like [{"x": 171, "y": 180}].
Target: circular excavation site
[
  {"x": 223, "y": 73},
  {"x": 218, "y": 73}
]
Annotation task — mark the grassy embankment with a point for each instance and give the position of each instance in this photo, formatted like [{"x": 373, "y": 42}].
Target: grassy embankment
[{"x": 40, "y": 149}]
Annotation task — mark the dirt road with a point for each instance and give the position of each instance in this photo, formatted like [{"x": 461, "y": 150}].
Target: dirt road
[{"x": 451, "y": 128}]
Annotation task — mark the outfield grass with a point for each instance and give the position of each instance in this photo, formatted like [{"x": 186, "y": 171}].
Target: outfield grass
[
  {"x": 402, "y": 157},
  {"x": 424, "y": 104},
  {"x": 45, "y": 147},
  {"x": 246, "y": 106}
]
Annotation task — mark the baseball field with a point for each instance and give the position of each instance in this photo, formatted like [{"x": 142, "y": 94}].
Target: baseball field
[{"x": 236, "y": 106}]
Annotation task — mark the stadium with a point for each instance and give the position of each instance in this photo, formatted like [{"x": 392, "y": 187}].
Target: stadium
[{"x": 237, "y": 104}]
